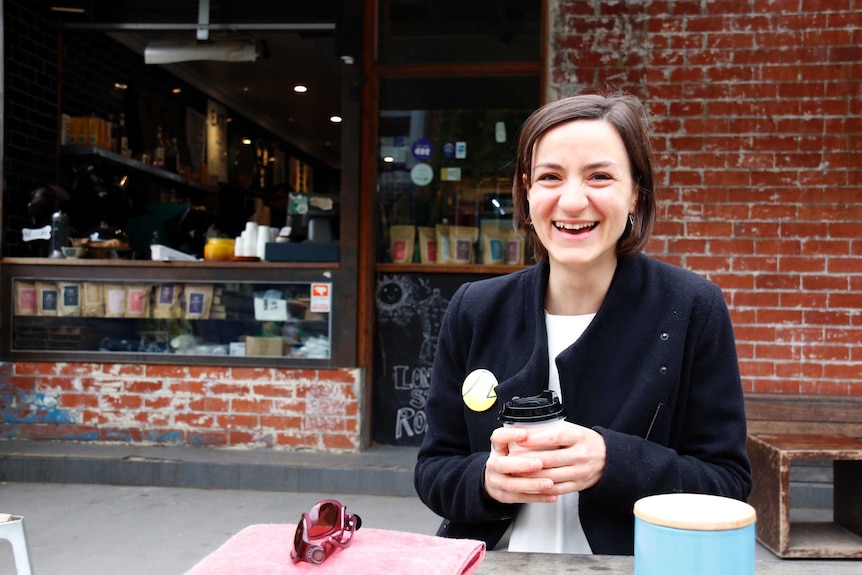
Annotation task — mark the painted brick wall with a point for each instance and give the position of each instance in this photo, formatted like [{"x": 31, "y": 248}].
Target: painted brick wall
[
  {"x": 218, "y": 406},
  {"x": 757, "y": 117}
]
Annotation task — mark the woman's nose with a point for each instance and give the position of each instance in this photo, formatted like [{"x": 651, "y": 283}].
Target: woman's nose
[{"x": 573, "y": 196}]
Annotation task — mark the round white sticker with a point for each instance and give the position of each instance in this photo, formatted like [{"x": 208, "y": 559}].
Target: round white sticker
[
  {"x": 479, "y": 390},
  {"x": 422, "y": 174}
]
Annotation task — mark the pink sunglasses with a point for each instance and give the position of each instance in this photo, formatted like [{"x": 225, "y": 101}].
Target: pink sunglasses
[{"x": 324, "y": 529}]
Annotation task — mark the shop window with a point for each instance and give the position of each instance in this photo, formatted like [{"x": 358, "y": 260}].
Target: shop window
[{"x": 446, "y": 151}]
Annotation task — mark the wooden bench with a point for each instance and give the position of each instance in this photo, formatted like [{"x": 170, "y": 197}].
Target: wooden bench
[
  {"x": 823, "y": 414},
  {"x": 796, "y": 429}
]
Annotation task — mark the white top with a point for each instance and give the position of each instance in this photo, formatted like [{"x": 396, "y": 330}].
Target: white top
[{"x": 554, "y": 527}]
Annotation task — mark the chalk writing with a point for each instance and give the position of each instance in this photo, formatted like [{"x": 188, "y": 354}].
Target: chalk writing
[
  {"x": 409, "y": 422},
  {"x": 409, "y": 311},
  {"x": 406, "y": 377}
]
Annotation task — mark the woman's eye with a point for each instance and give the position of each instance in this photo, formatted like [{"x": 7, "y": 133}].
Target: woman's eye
[
  {"x": 547, "y": 177},
  {"x": 601, "y": 176}
]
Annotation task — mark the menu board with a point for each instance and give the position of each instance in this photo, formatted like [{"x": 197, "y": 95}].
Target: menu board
[{"x": 409, "y": 309}]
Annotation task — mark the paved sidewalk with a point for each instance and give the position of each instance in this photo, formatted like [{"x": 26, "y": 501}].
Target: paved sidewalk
[
  {"x": 124, "y": 530},
  {"x": 129, "y": 510},
  {"x": 77, "y": 529}
]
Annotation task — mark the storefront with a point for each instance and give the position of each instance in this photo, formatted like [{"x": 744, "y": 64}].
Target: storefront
[
  {"x": 327, "y": 344},
  {"x": 326, "y": 347}
]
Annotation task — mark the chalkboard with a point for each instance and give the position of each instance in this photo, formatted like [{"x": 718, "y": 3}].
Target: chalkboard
[{"x": 409, "y": 309}]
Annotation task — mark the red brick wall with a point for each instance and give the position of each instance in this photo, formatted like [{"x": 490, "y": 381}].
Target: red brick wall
[
  {"x": 757, "y": 114},
  {"x": 222, "y": 406}
]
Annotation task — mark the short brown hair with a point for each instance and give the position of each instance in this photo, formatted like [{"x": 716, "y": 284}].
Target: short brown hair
[{"x": 628, "y": 116}]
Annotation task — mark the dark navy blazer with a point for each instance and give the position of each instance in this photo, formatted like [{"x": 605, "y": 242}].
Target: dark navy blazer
[{"x": 655, "y": 373}]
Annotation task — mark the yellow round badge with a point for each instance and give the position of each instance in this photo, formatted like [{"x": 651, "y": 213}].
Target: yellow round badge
[{"x": 479, "y": 390}]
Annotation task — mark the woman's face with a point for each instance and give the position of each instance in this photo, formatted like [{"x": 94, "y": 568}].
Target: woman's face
[{"x": 582, "y": 192}]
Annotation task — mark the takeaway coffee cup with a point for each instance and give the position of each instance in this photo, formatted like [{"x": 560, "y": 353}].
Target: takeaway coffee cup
[
  {"x": 682, "y": 533},
  {"x": 534, "y": 412}
]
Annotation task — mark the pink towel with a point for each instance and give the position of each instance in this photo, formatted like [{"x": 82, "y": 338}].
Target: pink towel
[{"x": 265, "y": 550}]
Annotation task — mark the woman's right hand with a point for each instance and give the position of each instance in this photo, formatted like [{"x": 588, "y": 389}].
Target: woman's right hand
[{"x": 513, "y": 478}]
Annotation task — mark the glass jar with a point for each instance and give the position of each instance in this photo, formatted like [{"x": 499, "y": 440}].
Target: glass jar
[{"x": 219, "y": 249}]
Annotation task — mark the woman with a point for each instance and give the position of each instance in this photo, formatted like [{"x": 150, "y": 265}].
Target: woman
[{"x": 642, "y": 354}]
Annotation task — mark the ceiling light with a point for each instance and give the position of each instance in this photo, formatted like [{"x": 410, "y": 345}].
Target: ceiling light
[
  {"x": 73, "y": 6},
  {"x": 246, "y": 141},
  {"x": 388, "y": 159},
  {"x": 171, "y": 52},
  {"x": 120, "y": 86},
  {"x": 300, "y": 89},
  {"x": 176, "y": 90},
  {"x": 335, "y": 119}
]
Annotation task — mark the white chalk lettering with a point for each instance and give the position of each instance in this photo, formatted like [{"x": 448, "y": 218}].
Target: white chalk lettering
[
  {"x": 407, "y": 377},
  {"x": 409, "y": 422}
]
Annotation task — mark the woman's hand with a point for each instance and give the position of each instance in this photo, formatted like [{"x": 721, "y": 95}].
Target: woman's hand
[{"x": 535, "y": 466}]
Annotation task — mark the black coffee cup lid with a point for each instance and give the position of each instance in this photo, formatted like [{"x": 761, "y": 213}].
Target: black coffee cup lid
[{"x": 534, "y": 409}]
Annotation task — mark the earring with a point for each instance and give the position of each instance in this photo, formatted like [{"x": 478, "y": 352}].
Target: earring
[{"x": 629, "y": 226}]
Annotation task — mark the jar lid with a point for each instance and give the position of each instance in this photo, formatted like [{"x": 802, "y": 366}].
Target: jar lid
[
  {"x": 534, "y": 409},
  {"x": 695, "y": 511}
]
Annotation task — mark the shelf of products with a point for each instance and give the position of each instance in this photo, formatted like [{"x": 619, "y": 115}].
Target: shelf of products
[
  {"x": 157, "y": 317},
  {"x": 120, "y": 161},
  {"x": 444, "y": 180}
]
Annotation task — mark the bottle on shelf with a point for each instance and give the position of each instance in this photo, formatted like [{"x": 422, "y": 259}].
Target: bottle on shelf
[
  {"x": 159, "y": 151},
  {"x": 123, "y": 137},
  {"x": 172, "y": 155}
]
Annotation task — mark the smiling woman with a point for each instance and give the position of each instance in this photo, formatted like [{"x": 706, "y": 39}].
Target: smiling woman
[{"x": 641, "y": 354}]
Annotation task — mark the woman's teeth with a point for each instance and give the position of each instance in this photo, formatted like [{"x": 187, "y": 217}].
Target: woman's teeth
[{"x": 576, "y": 228}]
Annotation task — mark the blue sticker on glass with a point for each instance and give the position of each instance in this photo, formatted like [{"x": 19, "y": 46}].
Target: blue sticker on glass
[
  {"x": 460, "y": 150},
  {"x": 422, "y": 149},
  {"x": 448, "y": 149}
]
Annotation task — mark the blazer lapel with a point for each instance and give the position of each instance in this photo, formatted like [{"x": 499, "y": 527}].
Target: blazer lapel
[{"x": 532, "y": 378}]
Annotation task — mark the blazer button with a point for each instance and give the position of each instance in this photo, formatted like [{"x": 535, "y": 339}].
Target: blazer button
[
  {"x": 663, "y": 370},
  {"x": 664, "y": 336}
]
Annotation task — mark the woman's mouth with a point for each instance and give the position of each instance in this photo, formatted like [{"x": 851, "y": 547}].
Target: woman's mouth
[{"x": 579, "y": 228}]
